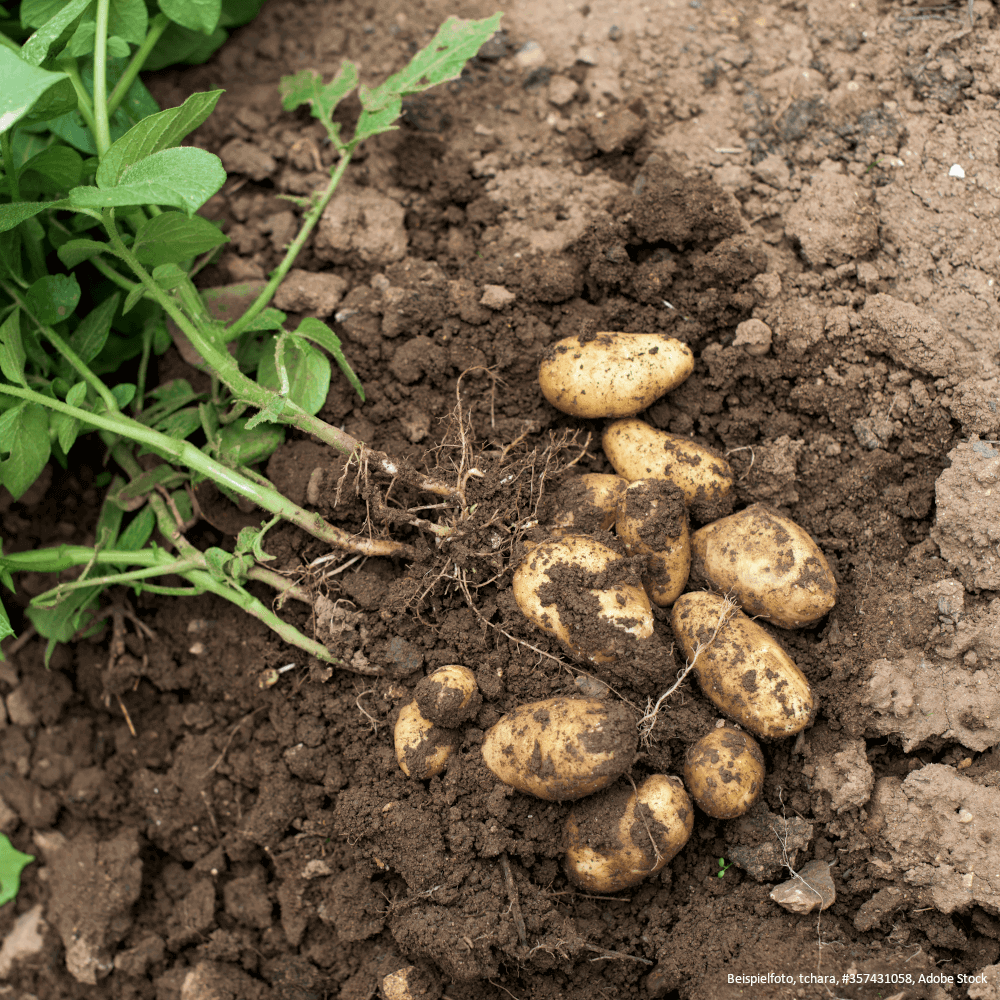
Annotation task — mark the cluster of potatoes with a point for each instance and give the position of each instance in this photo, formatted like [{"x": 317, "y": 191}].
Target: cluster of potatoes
[{"x": 596, "y": 600}]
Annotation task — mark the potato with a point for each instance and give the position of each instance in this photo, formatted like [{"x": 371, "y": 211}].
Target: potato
[
  {"x": 742, "y": 670},
  {"x": 769, "y": 564},
  {"x": 449, "y": 696},
  {"x": 586, "y": 595},
  {"x": 585, "y": 504},
  {"x": 562, "y": 748},
  {"x": 612, "y": 374},
  {"x": 652, "y": 521},
  {"x": 618, "y": 838},
  {"x": 422, "y": 748},
  {"x": 639, "y": 451},
  {"x": 724, "y": 772}
]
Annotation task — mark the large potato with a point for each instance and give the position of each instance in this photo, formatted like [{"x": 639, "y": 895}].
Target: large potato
[
  {"x": 584, "y": 504},
  {"x": 724, "y": 772},
  {"x": 449, "y": 696},
  {"x": 586, "y": 595},
  {"x": 741, "y": 668},
  {"x": 639, "y": 451},
  {"x": 616, "y": 839},
  {"x": 422, "y": 749},
  {"x": 562, "y": 748},
  {"x": 769, "y": 564},
  {"x": 652, "y": 522},
  {"x": 613, "y": 374}
]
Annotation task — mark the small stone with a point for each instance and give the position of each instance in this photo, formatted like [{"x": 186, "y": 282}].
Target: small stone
[
  {"x": 873, "y": 432},
  {"x": 956, "y": 171},
  {"x": 23, "y": 941},
  {"x": 562, "y": 90},
  {"x": 812, "y": 889},
  {"x": 530, "y": 56},
  {"x": 496, "y": 297},
  {"x": 409, "y": 983},
  {"x": 19, "y": 708},
  {"x": 754, "y": 335}
]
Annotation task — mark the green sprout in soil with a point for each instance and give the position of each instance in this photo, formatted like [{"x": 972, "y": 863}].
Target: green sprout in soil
[
  {"x": 12, "y": 863},
  {"x": 94, "y": 179},
  {"x": 723, "y": 868}
]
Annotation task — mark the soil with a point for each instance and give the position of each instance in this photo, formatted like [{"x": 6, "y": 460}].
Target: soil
[{"x": 805, "y": 193}]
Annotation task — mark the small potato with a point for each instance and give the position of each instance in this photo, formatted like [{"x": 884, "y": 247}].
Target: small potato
[
  {"x": 639, "y": 451},
  {"x": 612, "y": 374},
  {"x": 562, "y": 748},
  {"x": 449, "y": 696},
  {"x": 652, "y": 522},
  {"x": 585, "y": 504},
  {"x": 422, "y": 748},
  {"x": 771, "y": 566},
  {"x": 586, "y": 595},
  {"x": 620, "y": 837},
  {"x": 724, "y": 772},
  {"x": 741, "y": 668}
]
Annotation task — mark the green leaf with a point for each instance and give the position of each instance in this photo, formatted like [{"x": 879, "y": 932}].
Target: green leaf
[
  {"x": 185, "y": 177},
  {"x": 168, "y": 276},
  {"x": 132, "y": 299},
  {"x": 76, "y": 251},
  {"x": 66, "y": 429},
  {"x": 12, "y": 355},
  {"x": 237, "y": 12},
  {"x": 376, "y": 122},
  {"x": 135, "y": 536},
  {"x": 53, "y": 298},
  {"x": 271, "y": 413},
  {"x": 319, "y": 333},
  {"x": 180, "y": 424},
  {"x": 198, "y": 15},
  {"x": 269, "y": 319},
  {"x": 10, "y": 253},
  {"x": 14, "y": 214},
  {"x": 25, "y": 429},
  {"x": 181, "y": 45},
  {"x": 55, "y": 102},
  {"x": 299, "y": 366},
  {"x": 23, "y": 85},
  {"x": 307, "y": 88},
  {"x": 154, "y": 133},
  {"x": 82, "y": 42},
  {"x": 172, "y": 237},
  {"x": 239, "y": 445},
  {"x": 91, "y": 335},
  {"x": 59, "y": 164},
  {"x": 124, "y": 393},
  {"x": 12, "y": 863},
  {"x": 5, "y": 629},
  {"x": 118, "y": 47},
  {"x": 52, "y": 18},
  {"x": 128, "y": 20},
  {"x": 77, "y": 394}
]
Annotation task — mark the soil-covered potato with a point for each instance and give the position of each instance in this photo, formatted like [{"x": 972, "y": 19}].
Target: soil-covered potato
[
  {"x": 562, "y": 748},
  {"x": 741, "y": 667},
  {"x": 639, "y": 451},
  {"x": 769, "y": 564},
  {"x": 449, "y": 696},
  {"x": 586, "y": 595},
  {"x": 612, "y": 374},
  {"x": 422, "y": 748},
  {"x": 652, "y": 522},
  {"x": 584, "y": 504},
  {"x": 724, "y": 772},
  {"x": 618, "y": 838}
]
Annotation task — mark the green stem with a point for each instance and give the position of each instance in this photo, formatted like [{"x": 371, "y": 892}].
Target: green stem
[
  {"x": 308, "y": 223},
  {"x": 109, "y": 272},
  {"x": 102, "y": 129},
  {"x": 60, "y": 557},
  {"x": 7, "y": 158},
  {"x": 156, "y": 28},
  {"x": 284, "y": 587},
  {"x": 187, "y": 454},
  {"x": 179, "y": 566},
  {"x": 148, "y": 330},
  {"x": 83, "y": 103},
  {"x": 67, "y": 352}
]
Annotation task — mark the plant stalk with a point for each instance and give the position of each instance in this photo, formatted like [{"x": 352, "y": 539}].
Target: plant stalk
[
  {"x": 157, "y": 26},
  {"x": 102, "y": 128},
  {"x": 83, "y": 102}
]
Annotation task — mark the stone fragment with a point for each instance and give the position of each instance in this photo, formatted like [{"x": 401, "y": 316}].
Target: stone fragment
[
  {"x": 24, "y": 940},
  {"x": 811, "y": 889},
  {"x": 496, "y": 297},
  {"x": 562, "y": 90}
]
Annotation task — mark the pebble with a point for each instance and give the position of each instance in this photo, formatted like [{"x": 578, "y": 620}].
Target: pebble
[
  {"x": 812, "y": 889},
  {"x": 496, "y": 297},
  {"x": 530, "y": 56}
]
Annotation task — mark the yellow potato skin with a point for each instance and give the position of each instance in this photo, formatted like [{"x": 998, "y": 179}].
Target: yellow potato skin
[
  {"x": 594, "y": 603},
  {"x": 769, "y": 564},
  {"x": 743, "y": 671},
  {"x": 562, "y": 748},
  {"x": 637, "y": 450},
  {"x": 587, "y": 503},
  {"x": 449, "y": 696},
  {"x": 422, "y": 749},
  {"x": 724, "y": 772},
  {"x": 652, "y": 522},
  {"x": 612, "y": 374},
  {"x": 609, "y": 838}
]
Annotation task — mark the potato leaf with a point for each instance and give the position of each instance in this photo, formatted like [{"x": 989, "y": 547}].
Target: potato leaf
[
  {"x": 319, "y": 333},
  {"x": 23, "y": 86},
  {"x": 24, "y": 431},
  {"x": 12, "y": 861},
  {"x": 52, "y": 298},
  {"x": 294, "y": 368},
  {"x": 198, "y": 15},
  {"x": 172, "y": 237},
  {"x": 12, "y": 355}
]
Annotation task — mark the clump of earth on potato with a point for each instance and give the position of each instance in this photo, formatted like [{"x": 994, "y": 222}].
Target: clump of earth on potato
[
  {"x": 768, "y": 563},
  {"x": 618, "y": 838},
  {"x": 637, "y": 450},
  {"x": 741, "y": 668},
  {"x": 422, "y": 749},
  {"x": 612, "y": 374},
  {"x": 562, "y": 748},
  {"x": 724, "y": 772},
  {"x": 652, "y": 522},
  {"x": 583, "y": 504},
  {"x": 585, "y": 594},
  {"x": 449, "y": 696}
]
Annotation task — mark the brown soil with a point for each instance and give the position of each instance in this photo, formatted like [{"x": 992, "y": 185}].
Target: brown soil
[{"x": 805, "y": 194}]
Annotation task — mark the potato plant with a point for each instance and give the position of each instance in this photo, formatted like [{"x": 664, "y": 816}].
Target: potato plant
[{"x": 95, "y": 177}]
